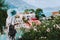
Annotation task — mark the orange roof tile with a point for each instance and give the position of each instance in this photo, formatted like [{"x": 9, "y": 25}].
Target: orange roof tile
[{"x": 54, "y": 13}]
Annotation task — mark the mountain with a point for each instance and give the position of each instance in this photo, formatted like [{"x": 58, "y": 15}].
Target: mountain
[{"x": 20, "y": 4}]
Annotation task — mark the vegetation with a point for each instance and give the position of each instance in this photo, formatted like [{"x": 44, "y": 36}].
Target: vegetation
[
  {"x": 3, "y": 14},
  {"x": 38, "y": 12},
  {"x": 29, "y": 10},
  {"x": 48, "y": 30}
]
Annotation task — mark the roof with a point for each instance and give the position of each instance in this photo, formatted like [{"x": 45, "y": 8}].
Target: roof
[{"x": 54, "y": 13}]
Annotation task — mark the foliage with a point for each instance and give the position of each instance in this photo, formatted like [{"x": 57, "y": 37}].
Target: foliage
[
  {"x": 48, "y": 30},
  {"x": 25, "y": 20},
  {"x": 3, "y": 14},
  {"x": 32, "y": 10},
  {"x": 43, "y": 15},
  {"x": 26, "y": 10},
  {"x": 29, "y": 10},
  {"x": 38, "y": 12},
  {"x": 57, "y": 19}
]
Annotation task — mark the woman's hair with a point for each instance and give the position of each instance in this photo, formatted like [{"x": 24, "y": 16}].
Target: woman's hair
[
  {"x": 13, "y": 12},
  {"x": 11, "y": 27}
]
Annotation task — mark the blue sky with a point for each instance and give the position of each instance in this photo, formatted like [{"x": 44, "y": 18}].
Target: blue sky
[
  {"x": 48, "y": 6},
  {"x": 44, "y": 3},
  {"x": 38, "y": 3}
]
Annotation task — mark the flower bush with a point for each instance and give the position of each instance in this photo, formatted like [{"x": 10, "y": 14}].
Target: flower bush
[{"x": 48, "y": 30}]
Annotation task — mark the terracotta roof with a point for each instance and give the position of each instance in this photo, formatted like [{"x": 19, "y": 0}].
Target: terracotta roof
[{"x": 54, "y": 13}]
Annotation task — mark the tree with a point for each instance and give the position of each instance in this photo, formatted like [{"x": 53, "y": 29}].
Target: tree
[
  {"x": 3, "y": 14},
  {"x": 38, "y": 12},
  {"x": 32, "y": 10},
  {"x": 43, "y": 15},
  {"x": 29, "y": 10},
  {"x": 26, "y": 11}
]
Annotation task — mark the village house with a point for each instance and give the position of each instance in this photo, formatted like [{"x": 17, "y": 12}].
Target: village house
[{"x": 56, "y": 13}]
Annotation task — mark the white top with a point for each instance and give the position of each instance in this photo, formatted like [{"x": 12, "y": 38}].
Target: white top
[{"x": 10, "y": 20}]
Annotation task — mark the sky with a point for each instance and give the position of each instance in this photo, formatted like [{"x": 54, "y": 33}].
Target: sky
[
  {"x": 47, "y": 5},
  {"x": 38, "y": 3},
  {"x": 44, "y": 3}
]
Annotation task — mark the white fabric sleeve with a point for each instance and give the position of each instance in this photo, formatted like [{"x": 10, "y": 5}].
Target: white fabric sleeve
[
  {"x": 13, "y": 21},
  {"x": 8, "y": 21}
]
